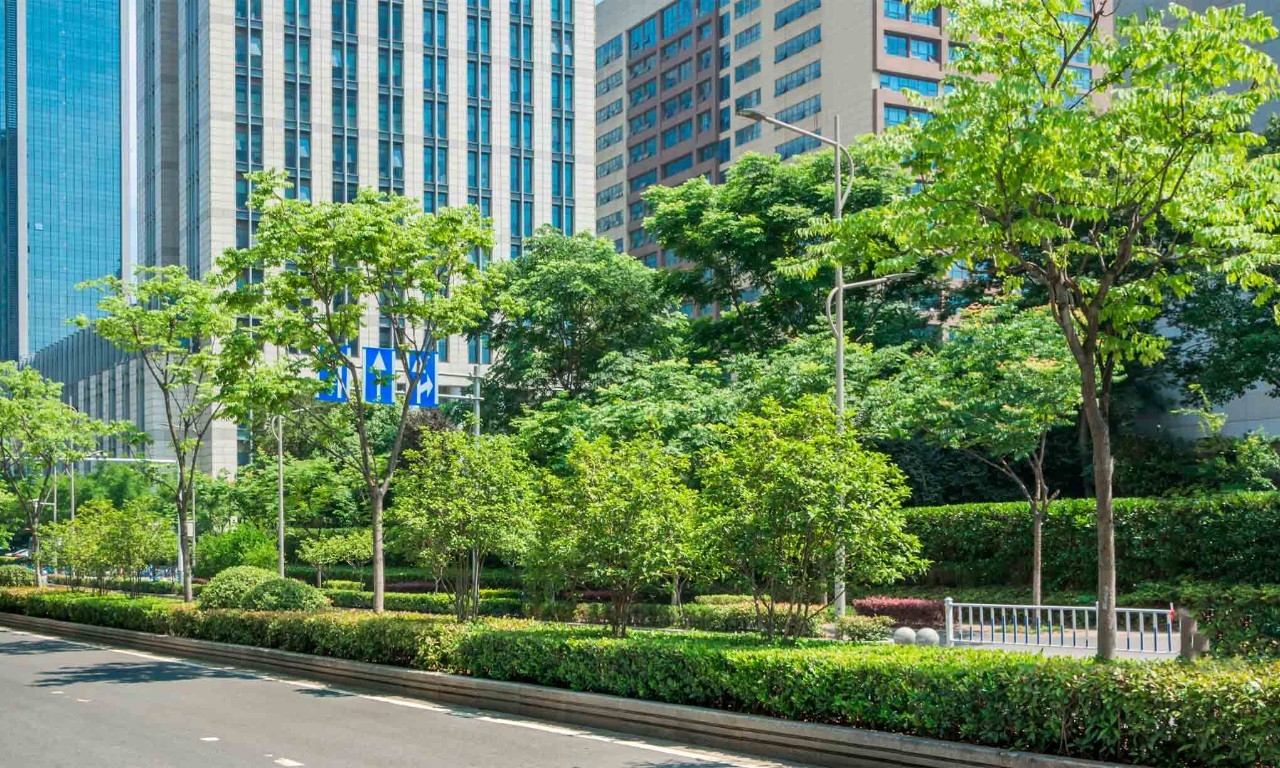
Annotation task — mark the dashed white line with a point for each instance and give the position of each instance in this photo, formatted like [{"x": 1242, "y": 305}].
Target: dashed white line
[
  {"x": 209, "y": 738},
  {"x": 734, "y": 761},
  {"x": 83, "y": 701}
]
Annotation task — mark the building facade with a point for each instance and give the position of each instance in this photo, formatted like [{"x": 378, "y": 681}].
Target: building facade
[
  {"x": 455, "y": 102},
  {"x": 803, "y": 61},
  {"x": 65, "y": 163}
]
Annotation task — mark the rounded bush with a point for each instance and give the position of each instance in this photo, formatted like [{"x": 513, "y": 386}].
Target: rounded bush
[
  {"x": 228, "y": 588},
  {"x": 864, "y": 629},
  {"x": 17, "y": 576},
  {"x": 284, "y": 595}
]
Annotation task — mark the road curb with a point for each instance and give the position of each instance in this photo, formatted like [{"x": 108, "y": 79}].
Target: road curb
[{"x": 822, "y": 745}]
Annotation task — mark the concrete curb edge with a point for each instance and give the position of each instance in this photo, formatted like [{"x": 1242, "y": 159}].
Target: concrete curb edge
[{"x": 811, "y": 743}]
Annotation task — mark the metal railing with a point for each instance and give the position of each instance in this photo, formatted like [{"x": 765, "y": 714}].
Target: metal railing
[{"x": 1139, "y": 630}]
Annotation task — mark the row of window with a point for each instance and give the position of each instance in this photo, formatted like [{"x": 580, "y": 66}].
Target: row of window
[
  {"x": 918, "y": 48},
  {"x": 902, "y": 11},
  {"x": 795, "y": 45},
  {"x": 797, "y": 10}
]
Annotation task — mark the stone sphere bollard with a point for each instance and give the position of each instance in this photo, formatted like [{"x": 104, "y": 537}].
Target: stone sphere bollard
[
  {"x": 904, "y": 636},
  {"x": 927, "y": 636}
]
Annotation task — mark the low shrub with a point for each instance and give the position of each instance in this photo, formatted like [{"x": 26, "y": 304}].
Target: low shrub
[
  {"x": 864, "y": 629},
  {"x": 346, "y": 586},
  {"x": 284, "y": 595},
  {"x": 17, "y": 576},
  {"x": 137, "y": 587},
  {"x": 1157, "y": 714},
  {"x": 229, "y": 587},
  {"x": 723, "y": 599},
  {"x": 904, "y": 611},
  {"x": 439, "y": 603}
]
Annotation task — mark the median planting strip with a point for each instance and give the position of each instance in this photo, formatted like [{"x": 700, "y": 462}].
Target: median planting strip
[{"x": 1153, "y": 714}]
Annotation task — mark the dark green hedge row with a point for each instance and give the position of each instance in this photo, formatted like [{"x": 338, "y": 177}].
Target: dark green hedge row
[
  {"x": 1230, "y": 538},
  {"x": 141, "y": 586},
  {"x": 1166, "y": 714},
  {"x": 707, "y": 618},
  {"x": 490, "y": 578}
]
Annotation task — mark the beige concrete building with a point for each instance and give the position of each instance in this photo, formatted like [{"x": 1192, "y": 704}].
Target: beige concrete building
[{"x": 804, "y": 61}]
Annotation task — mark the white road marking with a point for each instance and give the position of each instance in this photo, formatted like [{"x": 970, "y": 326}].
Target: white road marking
[
  {"x": 689, "y": 754},
  {"x": 56, "y": 693},
  {"x": 83, "y": 701},
  {"x": 209, "y": 738}
]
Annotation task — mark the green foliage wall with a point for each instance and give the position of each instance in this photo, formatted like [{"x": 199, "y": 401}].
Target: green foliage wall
[{"x": 1229, "y": 538}]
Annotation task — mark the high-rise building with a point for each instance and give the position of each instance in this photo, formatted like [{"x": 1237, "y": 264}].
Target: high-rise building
[
  {"x": 803, "y": 61},
  {"x": 65, "y": 163},
  {"x": 455, "y": 102}
]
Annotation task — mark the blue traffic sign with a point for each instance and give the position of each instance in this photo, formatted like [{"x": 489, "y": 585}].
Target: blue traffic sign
[
  {"x": 341, "y": 383},
  {"x": 423, "y": 392},
  {"x": 379, "y": 376}
]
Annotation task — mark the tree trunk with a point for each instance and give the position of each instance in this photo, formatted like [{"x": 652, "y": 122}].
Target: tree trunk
[
  {"x": 34, "y": 546},
  {"x": 379, "y": 564},
  {"x": 1037, "y": 552},
  {"x": 184, "y": 544},
  {"x": 1103, "y": 467}
]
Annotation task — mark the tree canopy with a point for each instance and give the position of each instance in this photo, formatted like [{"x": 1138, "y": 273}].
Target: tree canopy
[{"x": 1110, "y": 190}]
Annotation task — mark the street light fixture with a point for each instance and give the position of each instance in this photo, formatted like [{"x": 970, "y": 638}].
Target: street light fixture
[{"x": 836, "y": 296}]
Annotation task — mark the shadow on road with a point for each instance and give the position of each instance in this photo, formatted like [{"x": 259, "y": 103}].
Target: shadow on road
[
  {"x": 35, "y": 647},
  {"x": 680, "y": 764},
  {"x": 125, "y": 673},
  {"x": 324, "y": 693}
]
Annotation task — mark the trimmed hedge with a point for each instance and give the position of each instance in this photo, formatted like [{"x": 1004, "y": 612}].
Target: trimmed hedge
[
  {"x": 740, "y": 617},
  {"x": 864, "y": 629},
  {"x": 141, "y": 586},
  {"x": 1164, "y": 714},
  {"x": 1230, "y": 538},
  {"x": 17, "y": 576},
  {"x": 903, "y": 611},
  {"x": 490, "y": 578}
]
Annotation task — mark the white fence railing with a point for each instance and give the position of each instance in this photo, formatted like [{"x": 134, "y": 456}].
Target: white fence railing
[{"x": 1139, "y": 630}]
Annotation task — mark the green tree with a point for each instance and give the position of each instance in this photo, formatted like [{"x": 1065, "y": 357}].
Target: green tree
[
  {"x": 1110, "y": 193},
  {"x": 199, "y": 362},
  {"x": 332, "y": 271},
  {"x": 674, "y": 400},
  {"x": 784, "y": 492},
  {"x": 244, "y": 544},
  {"x": 734, "y": 237},
  {"x": 38, "y": 432},
  {"x": 621, "y": 518},
  {"x": 994, "y": 390},
  {"x": 566, "y": 306},
  {"x": 1226, "y": 343},
  {"x": 354, "y": 549},
  {"x": 104, "y": 541},
  {"x": 461, "y": 499}
]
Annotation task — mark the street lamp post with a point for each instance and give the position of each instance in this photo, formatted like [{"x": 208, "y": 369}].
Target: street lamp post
[
  {"x": 836, "y": 296},
  {"x": 277, "y": 431}
]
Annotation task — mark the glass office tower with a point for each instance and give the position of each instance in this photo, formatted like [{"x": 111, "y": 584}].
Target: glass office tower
[{"x": 63, "y": 174}]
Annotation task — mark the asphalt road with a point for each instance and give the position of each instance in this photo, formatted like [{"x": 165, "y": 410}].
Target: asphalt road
[{"x": 70, "y": 704}]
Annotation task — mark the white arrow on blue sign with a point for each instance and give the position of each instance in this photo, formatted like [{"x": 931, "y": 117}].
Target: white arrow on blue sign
[
  {"x": 338, "y": 392},
  {"x": 422, "y": 368},
  {"x": 379, "y": 376}
]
